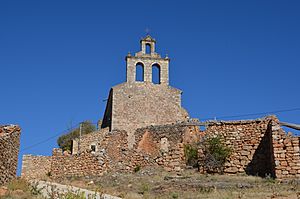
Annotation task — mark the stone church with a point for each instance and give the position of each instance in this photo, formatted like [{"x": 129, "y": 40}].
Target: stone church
[
  {"x": 142, "y": 102},
  {"x": 144, "y": 125}
]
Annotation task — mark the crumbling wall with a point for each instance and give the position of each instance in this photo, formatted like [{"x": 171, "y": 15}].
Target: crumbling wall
[
  {"x": 83, "y": 164},
  {"x": 88, "y": 140},
  {"x": 36, "y": 167},
  {"x": 250, "y": 144},
  {"x": 9, "y": 151},
  {"x": 259, "y": 147},
  {"x": 286, "y": 152}
]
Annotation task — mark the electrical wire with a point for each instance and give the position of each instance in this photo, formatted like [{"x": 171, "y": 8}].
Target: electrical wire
[{"x": 222, "y": 117}]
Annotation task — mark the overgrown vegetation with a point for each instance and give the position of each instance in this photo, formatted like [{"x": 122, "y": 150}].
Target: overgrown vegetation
[
  {"x": 137, "y": 168},
  {"x": 191, "y": 155},
  {"x": 215, "y": 154},
  {"x": 65, "y": 141}
]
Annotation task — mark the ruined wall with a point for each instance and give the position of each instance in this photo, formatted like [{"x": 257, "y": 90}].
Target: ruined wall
[
  {"x": 87, "y": 140},
  {"x": 286, "y": 152},
  {"x": 259, "y": 147},
  {"x": 36, "y": 167},
  {"x": 9, "y": 151},
  {"x": 85, "y": 164},
  {"x": 155, "y": 146},
  {"x": 250, "y": 143},
  {"x": 142, "y": 104}
]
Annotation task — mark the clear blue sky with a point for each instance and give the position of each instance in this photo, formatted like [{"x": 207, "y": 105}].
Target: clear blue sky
[{"x": 58, "y": 59}]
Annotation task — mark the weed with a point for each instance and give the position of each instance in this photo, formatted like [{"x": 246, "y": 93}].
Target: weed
[
  {"x": 191, "y": 155},
  {"x": 19, "y": 184},
  {"x": 137, "y": 168},
  {"x": 174, "y": 195},
  {"x": 144, "y": 188}
]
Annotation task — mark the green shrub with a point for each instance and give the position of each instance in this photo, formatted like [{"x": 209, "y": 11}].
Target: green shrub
[
  {"x": 215, "y": 154},
  {"x": 137, "y": 168},
  {"x": 191, "y": 155},
  {"x": 218, "y": 150}
]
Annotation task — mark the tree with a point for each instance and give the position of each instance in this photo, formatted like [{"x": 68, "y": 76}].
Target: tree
[{"x": 65, "y": 141}]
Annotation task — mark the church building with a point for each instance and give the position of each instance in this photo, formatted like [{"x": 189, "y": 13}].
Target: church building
[{"x": 147, "y": 100}]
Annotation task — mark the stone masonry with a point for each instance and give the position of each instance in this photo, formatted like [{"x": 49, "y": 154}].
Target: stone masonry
[
  {"x": 9, "y": 151},
  {"x": 259, "y": 147},
  {"x": 135, "y": 104},
  {"x": 145, "y": 125}
]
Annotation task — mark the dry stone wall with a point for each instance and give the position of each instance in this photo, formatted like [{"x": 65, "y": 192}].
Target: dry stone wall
[
  {"x": 36, "y": 167},
  {"x": 250, "y": 144},
  {"x": 88, "y": 140},
  {"x": 9, "y": 151},
  {"x": 286, "y": 152},
  {"x": 258, "y": 147}
]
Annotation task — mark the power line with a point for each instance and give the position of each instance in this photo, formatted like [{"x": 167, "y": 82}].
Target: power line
[
  {"x": 49, "y": 138},
  {"x": 253, "y": 114},
  {"x": 222, "y": 117}
]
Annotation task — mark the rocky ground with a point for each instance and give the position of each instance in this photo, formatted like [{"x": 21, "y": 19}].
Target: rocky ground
[{"x": 156, "y": 183}]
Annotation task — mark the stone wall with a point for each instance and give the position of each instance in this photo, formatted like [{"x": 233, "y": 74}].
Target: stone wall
[
  {"x": 155, "y": 146},
  {"x": 286, "y": 150},
  {"x": 36, "y": 167},
  {"x": 88, "y": 140},
  {"x": 142, "y": 104},
  {"x": 259, "y": 147},
  {"x": 250, "y": 144},
  {"x": 9, "y": 151},
  {"x": 83, "y": 164}
]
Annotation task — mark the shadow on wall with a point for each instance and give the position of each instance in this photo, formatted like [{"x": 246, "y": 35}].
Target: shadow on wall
[{"x": 262, "y": 163}]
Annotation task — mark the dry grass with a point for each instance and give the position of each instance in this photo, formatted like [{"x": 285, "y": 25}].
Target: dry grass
[
  {"x": 156, "y": 183},
  {"x": 18, "y": 189}
]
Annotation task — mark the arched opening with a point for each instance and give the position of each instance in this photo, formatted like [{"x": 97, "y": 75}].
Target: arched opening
[
  {"x": 148, "y": 49},
  {"x": 139, "y": 76},
  {"x": 156, "y": 74}
]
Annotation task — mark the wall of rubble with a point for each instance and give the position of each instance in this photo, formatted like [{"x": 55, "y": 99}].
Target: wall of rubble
[
  {"x": 250, "y": 144},
  {"x": 9, "y": 151},
  {"x": 259, "y": 147},
  {"x": 88, "y": 140},
  {"x": 286, "y": 152},
  {"x": 36, "y": 167},
  {"x": 83, "y": 164},
  {"x": 155, "y": 146}
]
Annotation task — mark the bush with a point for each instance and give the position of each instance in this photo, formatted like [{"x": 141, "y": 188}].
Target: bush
[
  {"x": 215, "y": 154},
  {"x": 191, "y": 155},
  {"x": 137, "y": 168},
  {"x": 65, "y": 141}
]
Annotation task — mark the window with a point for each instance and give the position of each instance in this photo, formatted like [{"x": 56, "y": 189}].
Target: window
[
  {"x": 156, "y": 74},
  {"x": 139, "y": 72},
  {"x": 148, "y": 49},
  {"x": 93, "y": 148}
]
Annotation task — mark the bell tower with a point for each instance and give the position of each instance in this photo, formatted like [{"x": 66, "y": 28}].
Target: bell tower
[{"x": 147, "y": 58}]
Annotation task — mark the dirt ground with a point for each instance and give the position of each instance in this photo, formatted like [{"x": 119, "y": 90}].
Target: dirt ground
[{"x": 156, "y": 183}]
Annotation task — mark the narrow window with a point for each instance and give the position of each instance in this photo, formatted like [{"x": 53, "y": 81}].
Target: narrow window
[
  {"x": 148, "y": 49},
  {"x": 139, "y": 72},
  {"x": 93, "y": 148},
  {"x": 156, "y": 74}
]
